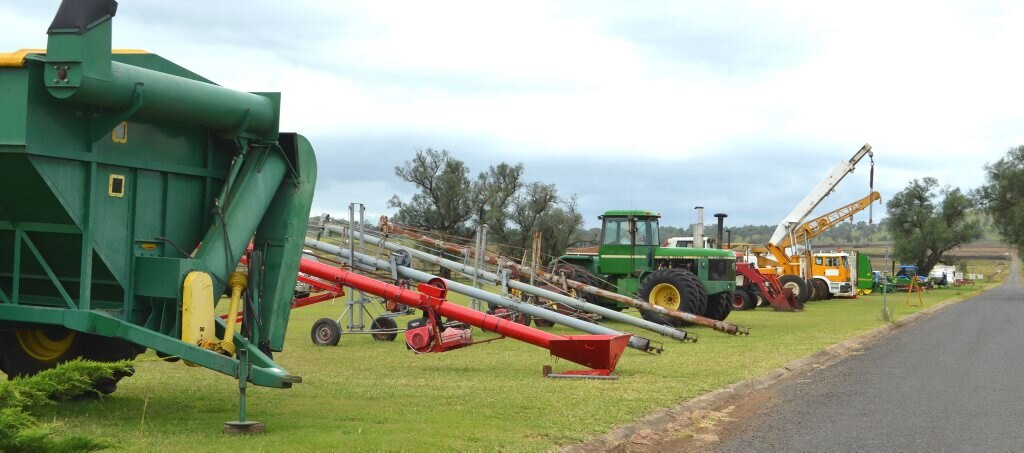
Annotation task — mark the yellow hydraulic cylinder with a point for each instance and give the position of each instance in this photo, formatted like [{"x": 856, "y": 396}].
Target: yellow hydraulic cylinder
[{"x": 237, "y": 281}]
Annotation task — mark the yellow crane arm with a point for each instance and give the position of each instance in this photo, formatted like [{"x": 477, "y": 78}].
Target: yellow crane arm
[{"x": 821, "y": 224}]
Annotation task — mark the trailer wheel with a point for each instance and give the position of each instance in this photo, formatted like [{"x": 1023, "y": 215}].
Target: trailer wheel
[
  {"x": 388, "y": 325},
  {"x": 718, "y": 306},
  {"x": 28, "y": 351},
  {"x": 25, "y": 352},
  {"x": 742, "y": 300},
  {"x": 673, "y": 289},
  {"x": 325, "y": 332},
  {"x": 797, "y": 285}
]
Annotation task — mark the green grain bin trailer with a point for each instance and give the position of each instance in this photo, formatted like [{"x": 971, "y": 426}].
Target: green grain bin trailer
[{"x": 130, "y": 189}]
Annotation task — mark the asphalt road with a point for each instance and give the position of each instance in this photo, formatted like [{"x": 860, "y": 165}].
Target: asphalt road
[{"x": 952, "y": 382}]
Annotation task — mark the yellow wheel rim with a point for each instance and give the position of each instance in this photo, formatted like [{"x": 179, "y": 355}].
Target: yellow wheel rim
[
  {"x": 40, "y": 346},
  {"x": 665, "y": 295}
]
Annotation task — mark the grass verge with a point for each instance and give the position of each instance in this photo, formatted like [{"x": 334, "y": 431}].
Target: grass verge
[{"x": 368, "y": 395}]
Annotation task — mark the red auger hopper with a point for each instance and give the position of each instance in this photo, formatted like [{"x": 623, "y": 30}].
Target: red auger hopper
[{"x": 599, "y": 352}]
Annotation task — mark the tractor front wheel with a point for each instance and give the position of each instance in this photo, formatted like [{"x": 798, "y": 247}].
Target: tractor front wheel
[
  {"x": 797, "y": 285},
  {"x": 742, "y": 300},
  {"x": 672, "y": 289}
]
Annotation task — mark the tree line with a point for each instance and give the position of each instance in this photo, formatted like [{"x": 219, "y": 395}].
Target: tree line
[
  {"x": 925, "y": 220},
  {"x": 448, "y": 201}
]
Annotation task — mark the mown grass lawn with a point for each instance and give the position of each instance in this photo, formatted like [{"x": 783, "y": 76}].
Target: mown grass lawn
[{"x": 368, "y": 395}]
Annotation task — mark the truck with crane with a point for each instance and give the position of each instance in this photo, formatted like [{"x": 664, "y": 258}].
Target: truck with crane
[
  {"x": 829, "y": 274},
  {"x": 795, "y": 268}
]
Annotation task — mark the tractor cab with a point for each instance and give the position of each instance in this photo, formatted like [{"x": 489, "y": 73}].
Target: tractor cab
[{"x": 628, "y": 241}]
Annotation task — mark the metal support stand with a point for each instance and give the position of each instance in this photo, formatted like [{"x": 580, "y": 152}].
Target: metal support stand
[
  {"x": 355, "y": 304},
  {"x": 884, "y": 279},
  {"x": 478, "y": 261},
  {"x": 243, "y": 426}
]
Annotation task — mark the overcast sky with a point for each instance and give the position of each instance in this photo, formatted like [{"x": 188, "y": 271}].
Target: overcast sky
[{"x": 738, "y": 106}]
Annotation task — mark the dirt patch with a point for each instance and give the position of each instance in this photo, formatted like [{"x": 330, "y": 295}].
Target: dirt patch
[{"x": 701, "y": 429}]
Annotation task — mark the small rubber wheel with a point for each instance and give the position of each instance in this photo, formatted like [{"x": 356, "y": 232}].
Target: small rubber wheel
[
  {"x": 325, "y": 332},
  {"x": 384, "y": 329}
]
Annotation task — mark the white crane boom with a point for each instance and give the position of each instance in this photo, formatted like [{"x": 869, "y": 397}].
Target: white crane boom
[{"x": 814, "y": 198}]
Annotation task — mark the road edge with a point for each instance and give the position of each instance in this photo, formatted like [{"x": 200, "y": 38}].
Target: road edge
[{"x": 681, "y": 413}]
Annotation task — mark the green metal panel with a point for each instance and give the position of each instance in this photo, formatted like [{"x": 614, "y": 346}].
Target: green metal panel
[
  {"x": 74, "y": 252},
  {"x": 282, "y": 242},
  {"x": 865, "y": 280},
  {"x": 13, "y": 84}
]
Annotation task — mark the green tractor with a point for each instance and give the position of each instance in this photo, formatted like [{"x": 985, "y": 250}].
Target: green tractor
[{"x": 630, "y": 260}]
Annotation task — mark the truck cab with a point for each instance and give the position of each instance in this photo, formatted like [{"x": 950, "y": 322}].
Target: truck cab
[{"x": 835, "y": 270}]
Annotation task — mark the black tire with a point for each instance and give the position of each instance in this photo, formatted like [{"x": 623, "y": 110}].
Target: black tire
[
  {"x": 820, "y": 289},
  {"x": 541, "y": 322},
  {"x": 325, "y": 332},
  {"x": 759, "y": 299},
  {"x": 813, "y": 289},
  {"x": 386, "y": 324},
  {"x": 719, "y": 306},
  {"x": 675, "y": 289},
  {"x": 16, "y": 359},
  {"x": 798, "y": 285},
  {"x": 742, "y": 299}
]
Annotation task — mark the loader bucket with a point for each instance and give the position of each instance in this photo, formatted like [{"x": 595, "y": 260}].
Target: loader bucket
[
  {"x": 786, "y": 301},
  {"x": 600, "y": 352}
]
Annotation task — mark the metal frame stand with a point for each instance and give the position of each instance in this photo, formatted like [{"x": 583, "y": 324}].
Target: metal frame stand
[
  {"x": 357, "y": 307},
  {"x": 243, "y": 426},
  {"x": 479, "y": 251}
]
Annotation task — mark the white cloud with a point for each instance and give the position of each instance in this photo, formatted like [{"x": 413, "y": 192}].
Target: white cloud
[{"x": 801, "y": 85}]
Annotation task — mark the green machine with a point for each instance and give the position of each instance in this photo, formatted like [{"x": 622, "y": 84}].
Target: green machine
[
  {"x": 130, "y": 189},
  {"x": 865, "y": 277},
  {"x": 630, "y": 258}
]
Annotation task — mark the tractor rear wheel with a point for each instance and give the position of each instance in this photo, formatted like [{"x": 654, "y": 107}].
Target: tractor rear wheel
[
  {"x": 742, "y": 299},
  {"x": 325, "y": 332},
  {"x": 25, "y": 352},
  {"x": 672, "y": 289},
  {"x": 719, "y": 306},
  {"x": 797, "y": 285}
]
